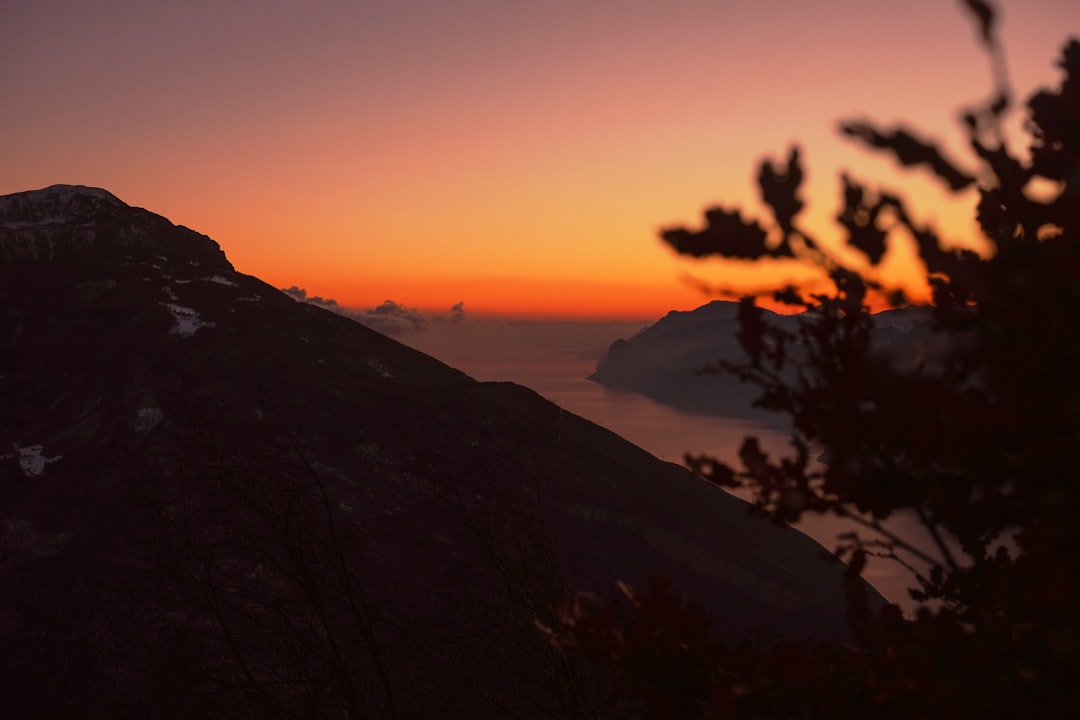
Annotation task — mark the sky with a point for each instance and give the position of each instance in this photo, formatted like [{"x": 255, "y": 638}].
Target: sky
[{"x": 517, "y": 157}]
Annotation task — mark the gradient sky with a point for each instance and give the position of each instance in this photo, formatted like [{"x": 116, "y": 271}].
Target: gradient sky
[{"x": 517, "y": 156}]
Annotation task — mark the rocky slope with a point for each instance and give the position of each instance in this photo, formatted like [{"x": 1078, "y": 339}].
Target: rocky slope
[{"x": 218, "y": 502}]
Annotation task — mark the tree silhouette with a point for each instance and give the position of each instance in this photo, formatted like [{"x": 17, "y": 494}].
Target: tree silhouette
[{"x": 977, "y": 435}]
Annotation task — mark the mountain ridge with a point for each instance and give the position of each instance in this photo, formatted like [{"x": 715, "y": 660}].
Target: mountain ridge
[{"x": 674, "y": 361}]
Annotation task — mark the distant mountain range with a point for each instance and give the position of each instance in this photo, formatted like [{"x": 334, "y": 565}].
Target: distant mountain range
[
  {"x": 216, "y": 501},
  {"x": 665, "y": 360}
]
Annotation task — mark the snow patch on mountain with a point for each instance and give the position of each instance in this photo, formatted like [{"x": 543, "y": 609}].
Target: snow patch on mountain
[
  {"x": 32, "y": 459},
  {"x": 187, "y": 320}
]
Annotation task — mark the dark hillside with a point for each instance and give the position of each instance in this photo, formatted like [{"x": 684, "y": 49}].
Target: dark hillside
[{"x": 218, "y": 502}]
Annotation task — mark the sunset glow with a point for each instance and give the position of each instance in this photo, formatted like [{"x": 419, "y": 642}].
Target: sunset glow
[{"x": 517, "y": 157}]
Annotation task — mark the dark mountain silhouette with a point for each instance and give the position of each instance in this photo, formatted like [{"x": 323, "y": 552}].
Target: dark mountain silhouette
[
  {"x": 665, "y": 360},
  {"x": 216, "y": 501}
]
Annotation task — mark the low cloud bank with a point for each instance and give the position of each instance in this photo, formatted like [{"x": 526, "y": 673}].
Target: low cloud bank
[{"x": 390, "y": 318}]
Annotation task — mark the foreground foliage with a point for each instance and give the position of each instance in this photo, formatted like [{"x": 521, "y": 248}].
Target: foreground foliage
[{"x": 977, "y": 435}]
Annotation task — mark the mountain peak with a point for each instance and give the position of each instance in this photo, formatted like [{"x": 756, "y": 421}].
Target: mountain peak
[
  {"x": 54, "y": 205},
  {"x": 89, "y": 224}
]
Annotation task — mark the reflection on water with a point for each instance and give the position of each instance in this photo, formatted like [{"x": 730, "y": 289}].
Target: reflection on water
[{"x": 554, "y": 359}]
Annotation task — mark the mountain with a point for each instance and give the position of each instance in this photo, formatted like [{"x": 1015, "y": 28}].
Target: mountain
[
  {"x": 664, "y": 361},
  {"x": 216, "y": 501}
]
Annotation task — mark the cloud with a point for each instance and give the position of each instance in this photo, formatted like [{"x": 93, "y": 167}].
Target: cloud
[{"x": 390, "y": 318}]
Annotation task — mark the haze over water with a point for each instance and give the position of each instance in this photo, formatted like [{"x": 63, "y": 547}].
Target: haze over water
[{"x": 555, "y": 359}]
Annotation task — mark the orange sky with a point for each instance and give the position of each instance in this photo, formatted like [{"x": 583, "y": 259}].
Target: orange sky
[{"x": 519, "y": 157}]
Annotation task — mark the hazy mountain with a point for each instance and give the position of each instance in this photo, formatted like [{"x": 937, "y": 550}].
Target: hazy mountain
[
  {"x": 216, "y": 501},
  {"x": 665, "y": 361}
]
